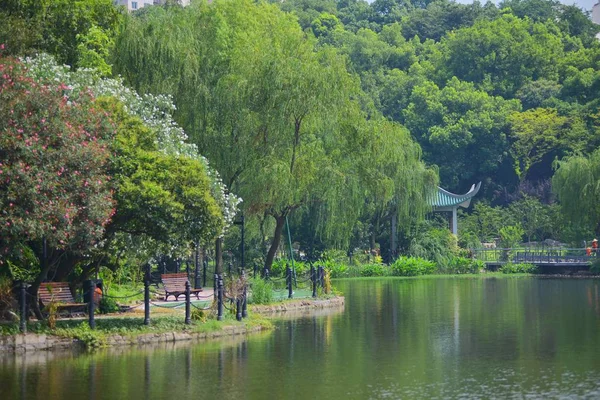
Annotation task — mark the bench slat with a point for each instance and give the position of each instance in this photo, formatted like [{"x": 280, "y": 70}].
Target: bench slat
[
  {"x": 57, "y": 292},
  {"x": 174, "y": 284}
]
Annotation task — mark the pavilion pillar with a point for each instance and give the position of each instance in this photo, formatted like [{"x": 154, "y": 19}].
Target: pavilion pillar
[{"x": 454, "y": 221}]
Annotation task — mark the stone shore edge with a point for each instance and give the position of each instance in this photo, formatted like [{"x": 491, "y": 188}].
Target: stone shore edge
[
  {"x": 34, "y": 342},
  {"x": 297, "y": 305}
]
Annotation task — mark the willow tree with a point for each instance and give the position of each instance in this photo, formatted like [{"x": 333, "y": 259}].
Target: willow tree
[
  {"x": 398, "y": 184},
  {"x": 278, "y": 119},
  {"x": 576, "y": 182}
]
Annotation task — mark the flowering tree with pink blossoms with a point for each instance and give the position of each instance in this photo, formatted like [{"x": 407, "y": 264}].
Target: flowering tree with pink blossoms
[{"x": 54, "y": 185}]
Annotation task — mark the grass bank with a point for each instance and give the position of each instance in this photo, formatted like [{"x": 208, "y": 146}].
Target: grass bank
[
  {"x": 440, "y": 276},
  {"x": 133, "y": 327}
]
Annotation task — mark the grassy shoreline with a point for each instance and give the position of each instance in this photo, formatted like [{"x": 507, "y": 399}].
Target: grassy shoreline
[
  {"x": 129, "y": 328},
  {"x": 438, "y": 276},
  {"x": 132, "y": 327}
]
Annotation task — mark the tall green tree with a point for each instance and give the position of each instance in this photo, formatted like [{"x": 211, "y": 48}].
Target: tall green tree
[
  {"x": 57, "y": 27},
  {"x": 541, "y": 135},
  {"x": 577, "y": 185},
  {"x": 275, "y": 116},
  {"x": 503, "y": 54},
  {"x": 55, "y": 193},
  {"x": 462, "y": 130}
]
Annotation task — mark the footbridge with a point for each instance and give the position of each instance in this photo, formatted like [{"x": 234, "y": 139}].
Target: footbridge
[{"x": 553, "y": 257}]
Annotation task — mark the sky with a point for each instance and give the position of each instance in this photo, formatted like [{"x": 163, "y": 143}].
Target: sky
[{"x": 585, "y": 4}]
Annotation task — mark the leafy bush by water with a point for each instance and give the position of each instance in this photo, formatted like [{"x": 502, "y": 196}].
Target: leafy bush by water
[
  {"x": 374, "y": 270},
  {"x": 336, "y": 269},
  {"x": 261, "y": 292},
  {"x": 521, "y": 268},
  {"x": 107, "y": 306},
  {"x": 463, "y": 265},
  {"x": 278, "y": 268},
  {"x": 412, "y": 266}
]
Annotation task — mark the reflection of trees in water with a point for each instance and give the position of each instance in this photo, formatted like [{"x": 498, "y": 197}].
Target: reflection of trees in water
[{"x": 414, "y": 332}]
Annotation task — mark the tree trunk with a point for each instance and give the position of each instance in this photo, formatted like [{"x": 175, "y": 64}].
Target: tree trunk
[
  {"x": 280, "y": 221},
  {"x": 33, "y": 289}
]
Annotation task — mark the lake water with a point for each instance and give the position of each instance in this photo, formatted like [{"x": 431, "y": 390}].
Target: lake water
[{"x": 428, "y": 338}]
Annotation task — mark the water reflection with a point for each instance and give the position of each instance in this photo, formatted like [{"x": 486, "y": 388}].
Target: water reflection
[{"x": 416, "y": 338}]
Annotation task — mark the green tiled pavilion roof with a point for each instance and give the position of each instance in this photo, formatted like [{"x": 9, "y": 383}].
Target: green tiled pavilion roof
[{"x": 445, "y": 199}]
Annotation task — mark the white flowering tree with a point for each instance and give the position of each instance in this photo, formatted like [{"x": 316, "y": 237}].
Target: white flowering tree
[{"x": 139, "y": 118}]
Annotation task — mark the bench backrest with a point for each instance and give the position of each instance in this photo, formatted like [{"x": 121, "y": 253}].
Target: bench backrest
[
  {"x": 174, "y": 281},
  {"x": 55, "y": 291}
]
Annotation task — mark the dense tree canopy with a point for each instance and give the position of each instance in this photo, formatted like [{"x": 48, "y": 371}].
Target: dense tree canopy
[
  {"x": 57, "y": 27},
  {"x": 277, "y": 117},
  {"x": 336, "y": 114},
  {"x": 54, "y": 155}
]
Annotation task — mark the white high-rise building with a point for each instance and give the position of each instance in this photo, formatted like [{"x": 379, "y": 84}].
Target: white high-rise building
[
  {"x": 133, "y": 5},
  {"x": 596, "y": 16}
]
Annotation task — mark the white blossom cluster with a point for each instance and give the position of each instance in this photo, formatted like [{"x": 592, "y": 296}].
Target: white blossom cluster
[{"x": 156, "y": 111}]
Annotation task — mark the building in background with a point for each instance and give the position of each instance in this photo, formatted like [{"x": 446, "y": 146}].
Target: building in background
[
  {"x": 596, "y": 16},
  {"x": 133, "y": 5}
]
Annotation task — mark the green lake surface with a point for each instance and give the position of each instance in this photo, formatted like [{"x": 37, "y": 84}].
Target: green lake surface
[{"x": 432, "y": 338}]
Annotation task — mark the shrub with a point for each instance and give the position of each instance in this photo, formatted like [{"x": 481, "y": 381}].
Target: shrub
[
  {"x": 436, "y": 244},
  {"x": 510, "y": 236},
  {"x": 8, "y": 303},
  {"x": 373, "y": 270},
  {"x": 278, "y": 267},
  {"x": 521, "y": 268},
  {"x": 107, "y": 305},
  {"x": 463, "y": 265},
  {"x": 327, "y": 283},
  {"x": 412, "y": 266},
  {"x": 336, "y": 269},
  {"x": 199, "y": 315},
  {"x": 261, "y": 291}
]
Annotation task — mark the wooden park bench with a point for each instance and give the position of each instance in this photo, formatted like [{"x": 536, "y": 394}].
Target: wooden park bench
[
  {"x": 175, "y": 285},
  {"x": 57, "y": 292}
]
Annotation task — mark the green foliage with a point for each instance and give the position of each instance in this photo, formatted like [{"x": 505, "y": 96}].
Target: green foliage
[
  {"x": 107, "y": 305},
  {"x": 522, "y": 268},
  {"x": 199, "y": 315},
  {"x": 54, "y": 166},
  {"x": 435, "y": 244},
  {"x": 577, "y": 185},
  {"x": 8, "y": 304},
  {"x": 542, "y": 135},
  {"x": 504, "y": 53},
  {"x": 293, "y": 107},
  {"x": 463, "y": 265},
  {"x": 93, "y": 50},
  {"x": 56, "y": 26},
  {"x": 261, "y": 291},
  {"x": 511, "y": 236},
  {"x": 23, "y": 265},
  {"x": 412, "y": 266},
  {"x": 51, "y": 310},
  {"x": 373, "y": 270},
  {"x": 327, "y": 287},
  {"x": 462, "y": 129},
  {"x": 279, "y": 267},
  {"x": 336, "y": 269}
]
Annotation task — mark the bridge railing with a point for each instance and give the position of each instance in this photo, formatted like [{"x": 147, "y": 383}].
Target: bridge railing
[{"x": 533, "y": 255}]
